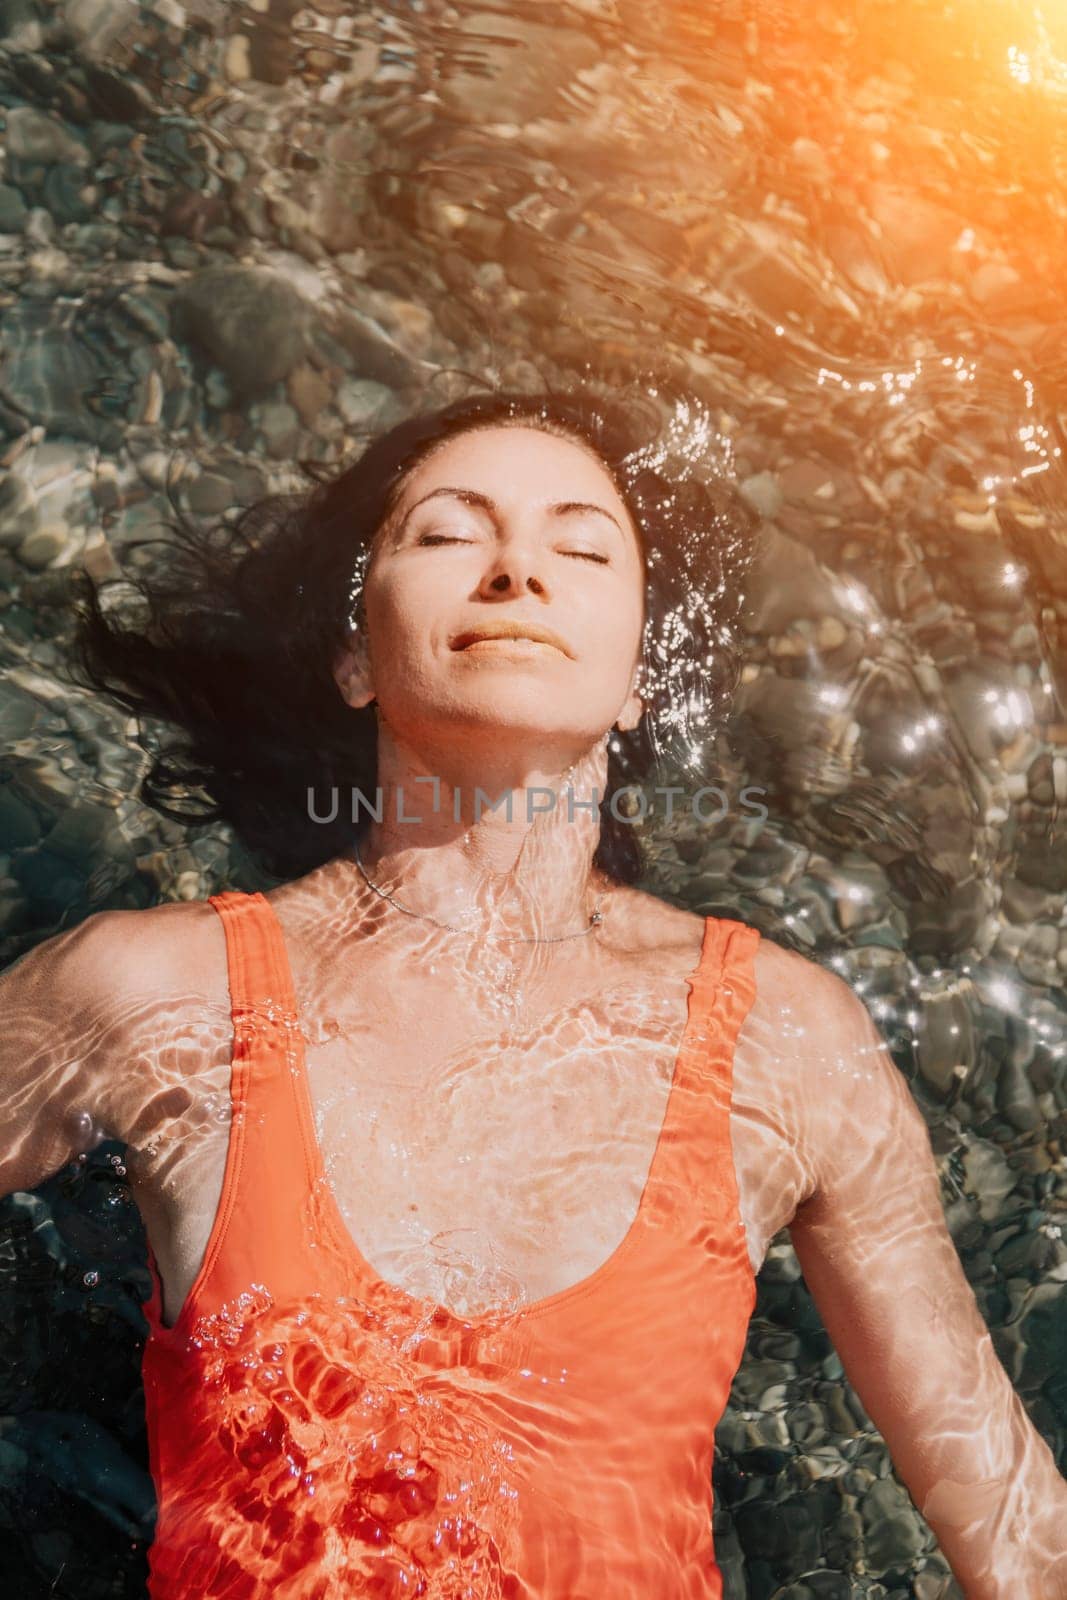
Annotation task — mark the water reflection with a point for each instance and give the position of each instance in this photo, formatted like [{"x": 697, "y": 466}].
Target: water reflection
[
  {"x": 235, "y": 238},
  {"x": 462, "y": 1281}
]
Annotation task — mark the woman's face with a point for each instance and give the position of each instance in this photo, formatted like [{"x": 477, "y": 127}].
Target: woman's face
[{"x": 503, "y": 528}]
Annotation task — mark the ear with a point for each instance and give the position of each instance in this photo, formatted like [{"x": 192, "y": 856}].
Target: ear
[
  {"x": 634, "y": 708},
  {"x": 352, "y": 674}
]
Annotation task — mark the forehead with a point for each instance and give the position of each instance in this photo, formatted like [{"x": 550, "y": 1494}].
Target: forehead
[{"x": 505, "y": 461}]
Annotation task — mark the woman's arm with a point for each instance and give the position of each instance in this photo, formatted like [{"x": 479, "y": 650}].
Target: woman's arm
[
  {"x": 54, "y": 1005},
  {"x": 883, "y": 1269},
  {"x": 79, "y": 1016}
]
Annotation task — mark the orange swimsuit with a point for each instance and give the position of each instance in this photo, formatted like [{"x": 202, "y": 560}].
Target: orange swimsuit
[{"x": 316, "y": 1433}]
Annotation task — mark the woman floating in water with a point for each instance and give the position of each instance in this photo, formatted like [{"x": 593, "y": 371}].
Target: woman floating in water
[{"x": 457, "y": 1152}]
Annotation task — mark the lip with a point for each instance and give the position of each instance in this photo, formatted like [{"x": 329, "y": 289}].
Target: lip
[{"x": 497, "y": 632}]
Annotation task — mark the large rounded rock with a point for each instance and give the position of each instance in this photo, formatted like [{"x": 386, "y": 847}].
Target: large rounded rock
[
  {"x": 35, "y": 137},
  {"x": 247, "y": 320}
]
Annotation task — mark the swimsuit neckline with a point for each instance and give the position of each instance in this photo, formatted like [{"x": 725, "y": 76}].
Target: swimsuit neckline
[{"x": 698, "y": 1000}]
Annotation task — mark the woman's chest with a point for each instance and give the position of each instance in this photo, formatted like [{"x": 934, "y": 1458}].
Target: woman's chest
[
  {"x": 528, "y": 1160},
  {"x": 513, "y": 1155},
  {"x": 522, "y": 1156}
]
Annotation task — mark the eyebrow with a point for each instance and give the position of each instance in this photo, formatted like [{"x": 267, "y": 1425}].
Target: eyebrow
[{"x": 474, "y": 497}]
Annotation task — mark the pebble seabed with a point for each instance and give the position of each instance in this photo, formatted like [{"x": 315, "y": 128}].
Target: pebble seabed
[{"x": 231, "y": 239}]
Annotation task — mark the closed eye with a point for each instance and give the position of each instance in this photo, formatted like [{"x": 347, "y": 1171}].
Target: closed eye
[{"x": 454, "y": 538}]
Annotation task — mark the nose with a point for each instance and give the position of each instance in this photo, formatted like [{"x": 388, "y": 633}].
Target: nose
[{"x": 511, "y": 572}]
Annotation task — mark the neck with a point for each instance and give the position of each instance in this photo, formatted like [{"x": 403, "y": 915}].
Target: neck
[{"x": 447, "y": 851}]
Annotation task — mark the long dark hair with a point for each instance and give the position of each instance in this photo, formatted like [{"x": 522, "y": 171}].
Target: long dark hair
[{"x": 242, "y": 621}]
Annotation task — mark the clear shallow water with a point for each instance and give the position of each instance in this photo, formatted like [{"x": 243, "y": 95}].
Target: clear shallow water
[{"x": 841, "y": 228}]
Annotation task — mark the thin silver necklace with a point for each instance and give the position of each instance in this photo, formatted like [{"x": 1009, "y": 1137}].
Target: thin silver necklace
[{"x": 595, "y": 917}]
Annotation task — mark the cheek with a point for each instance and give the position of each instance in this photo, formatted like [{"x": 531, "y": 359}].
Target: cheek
[
  {"x": 398, "y": 622},
  {"x": 620, "y": 627}
]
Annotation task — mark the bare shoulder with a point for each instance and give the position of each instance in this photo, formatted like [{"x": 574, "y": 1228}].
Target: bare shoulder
[
  {"x": 84, "y": 1013},
  {"x": 638, "y": 922},
  {"x": 821, "y": 1030},
  {"x": 159, "y": 950},
  {"x": 111, "y": 952},
  {"x": 788, "y": 984},
  {"x": 158, "y": 977},
  {"x": 842, "y": 1094},
  {"x": 642, "y": 923},
  {"x": 785, "y": 978}
]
